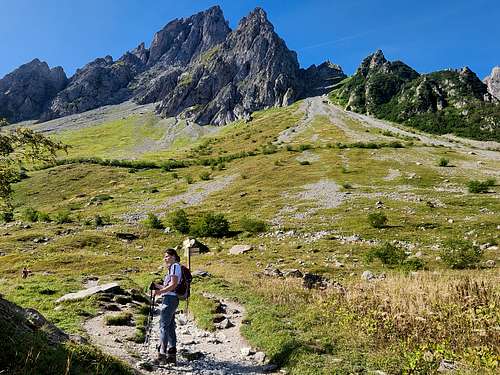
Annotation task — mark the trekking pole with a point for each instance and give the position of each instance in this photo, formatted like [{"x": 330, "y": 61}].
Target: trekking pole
[{"x": 149, "y": 325}]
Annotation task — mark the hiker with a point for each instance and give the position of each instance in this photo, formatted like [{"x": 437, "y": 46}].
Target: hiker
[
  {"x": 168, "y": 338},
  {"x": 25, "y": 272}
]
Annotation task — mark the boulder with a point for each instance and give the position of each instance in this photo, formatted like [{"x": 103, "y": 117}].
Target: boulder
[
  {"x": 240, "y": 249},
  {"x": 109, "y": 288},
  {"x": 193, "y": 246}
]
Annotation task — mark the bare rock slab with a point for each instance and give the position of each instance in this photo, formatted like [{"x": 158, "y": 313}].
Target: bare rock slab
[
  {"x": 110, "y": 288},
  {"x": 240, "y": 249}
]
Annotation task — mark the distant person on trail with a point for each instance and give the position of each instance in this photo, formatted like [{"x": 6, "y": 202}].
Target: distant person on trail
[{"x": 168, "y": 338}]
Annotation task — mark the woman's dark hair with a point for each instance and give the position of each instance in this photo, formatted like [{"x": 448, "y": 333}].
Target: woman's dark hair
[{"x": 173, "y": 253}]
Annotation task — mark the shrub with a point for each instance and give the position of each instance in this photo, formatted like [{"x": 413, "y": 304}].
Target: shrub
[
  {"x": 289, "y": 148},
  {"x": 269, "y": 149},
  {"x": 180, "y": 221},
  {"x": 6, "y": 216},
  {"x": 153, "y": 222},
  {"x": 388, "y": 254},
  {"x": 30, "y": 214},
  {"x": 121, "y": 319},
  {"x": 476, "y": 186},
  {"x": 62, "y": 217},
  {"x": 253, "y": 225},
  {"x": 98, "y": 221},
  {"x": 413, "y": 264},
  {"x": 377, "y": 219},
  {"x": 460, "y": 254},
  {"x": 305, "y": 162},
  {"x": 188, "y": 179},
  {"x": 304, "y": 147},
  {"x": 205, "y": 176},
  {"x": 347, "y": 185},
  {"x": 443, "y": 162},
  {"x": 211, "y": 225},
  {"x": 43, "y": 217}
]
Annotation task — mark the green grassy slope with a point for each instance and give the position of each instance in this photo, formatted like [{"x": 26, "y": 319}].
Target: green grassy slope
[{"x": 314, "y": 185}]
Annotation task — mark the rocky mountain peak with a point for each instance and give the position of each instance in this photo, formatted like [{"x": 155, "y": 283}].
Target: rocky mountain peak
[
  {"x": 182, "y": 40},
  {"x": 27, "y": 91}
]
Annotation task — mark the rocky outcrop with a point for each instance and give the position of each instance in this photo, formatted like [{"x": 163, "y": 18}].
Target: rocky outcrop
[
  {"x": 253, "y": 69},
  {"x": 375, "y": 82},
  {"x": 26, "y": 92},
  {"x": 493, "y": 82},
  {"x": 197, "y": 68},
  {"x": 448, "y": 101},
  {"x": 101, "y": 82}
]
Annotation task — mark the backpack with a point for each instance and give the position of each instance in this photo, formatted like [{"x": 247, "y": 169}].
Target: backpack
[{"x": 183, "y": 289}]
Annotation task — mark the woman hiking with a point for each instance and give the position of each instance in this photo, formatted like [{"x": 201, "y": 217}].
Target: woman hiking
[{"x": 168, "y": 338}]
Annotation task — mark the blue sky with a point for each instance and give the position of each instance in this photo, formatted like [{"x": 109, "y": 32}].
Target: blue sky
[{"x": 427, "y": 35}]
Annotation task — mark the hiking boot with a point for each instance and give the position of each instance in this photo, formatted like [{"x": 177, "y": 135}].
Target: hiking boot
[
  {"x": 160, "y": 360},
  {"x": 171, "y": 356}
]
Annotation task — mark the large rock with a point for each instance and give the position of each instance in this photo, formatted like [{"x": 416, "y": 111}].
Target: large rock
[
  {"x": 108, "y": 288},
  {"x": 27, "y": 92},
  {"x": 493, "y": 82},
  {"x": 240, "y": 249}
]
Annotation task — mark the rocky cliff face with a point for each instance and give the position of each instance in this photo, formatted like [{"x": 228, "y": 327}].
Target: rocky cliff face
[
  {"x": 493, "y": 82},
  {"x": 251, "y": 70},
  {"x": 27, "y": 92},
  {"x": 196, "y": 67}
]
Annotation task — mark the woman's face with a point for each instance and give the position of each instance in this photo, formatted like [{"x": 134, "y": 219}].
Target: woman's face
[{"x": 169, "y": 259}]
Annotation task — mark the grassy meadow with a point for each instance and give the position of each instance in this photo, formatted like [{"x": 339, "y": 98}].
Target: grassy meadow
[{"x": 315, "y": 192}]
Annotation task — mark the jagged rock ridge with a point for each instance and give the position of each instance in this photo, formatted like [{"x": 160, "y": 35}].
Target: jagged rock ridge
[
  {"x": 196, "y": 67},
  {"x": 27, "y": 92}
]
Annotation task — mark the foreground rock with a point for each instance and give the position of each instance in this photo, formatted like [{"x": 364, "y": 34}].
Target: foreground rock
[{"x": 110, "y": 288}]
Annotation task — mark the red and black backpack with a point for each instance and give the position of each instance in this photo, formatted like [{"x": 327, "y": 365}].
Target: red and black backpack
[{"x": 183, "y": 289}]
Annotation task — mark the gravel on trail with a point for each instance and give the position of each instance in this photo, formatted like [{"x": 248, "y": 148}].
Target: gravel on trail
[{"x": 223, "y": 352}]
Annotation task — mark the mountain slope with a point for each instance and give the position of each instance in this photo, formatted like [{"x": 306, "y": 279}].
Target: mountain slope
[{"x": 440, "y": 102}]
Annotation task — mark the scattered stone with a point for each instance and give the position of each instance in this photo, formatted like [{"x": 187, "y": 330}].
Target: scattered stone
[
  {"x": 490, "y": 263},
  {"x": 272, "y": 272},
  {"x": 200, "y": 273},
  {"x": 2, "y": 254},
  {"x": 246, "y": 351},
  {"x": 126, "y": 236},
  {"x": 145, "y": 365},
  {"x": 293, "y": 273},
  {"x": 450, "y": 221},
  {"x": 368, "y": 276},
  {"x": 225, "y": 324},
  {"x": 446, "y": 366},
  {"x": 260, "y": 357},
  {"x": 167, "y": 230},
  {"x": 191, "y": 356},
  {"x": 240, "y": 249}
]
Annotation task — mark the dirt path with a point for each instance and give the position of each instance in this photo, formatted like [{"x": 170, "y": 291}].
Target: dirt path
[{"x": 199, "y": 352}]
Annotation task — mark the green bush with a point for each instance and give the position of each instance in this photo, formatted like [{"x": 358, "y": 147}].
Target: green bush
[
  {"x": 443, "y": 162},
  {"x": 304, "y": 147},
  {"x": 377, "y": 219},
  {"x": 189, "y": 179},
  {"x": 460, "y": 254},
  {"x": 62, "y": 217},
  {"x": 43, "y": 217},
  {"x": 205, "y": 176},
  {"x": 30, "y": 214},
  {"x": 253, "y": 225},
  {"x": 211, "y": 225},
  {"x": 269, "y": 149},
  {"x": 388, "y": 254},
  {"x": 180, "y": 221},
  {"x": 153, "y": 222},
  {"x": 98, "y": 221},
  {"x": 476, "y": 186},
  {"x": 6, "y": 216},
  {"x": 121, "y": 319},
  {"x": 413, "y": 264}
]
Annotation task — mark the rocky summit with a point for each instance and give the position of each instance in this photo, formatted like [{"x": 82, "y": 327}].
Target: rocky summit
[
  {"x": 448, "y": 101},
  {"x": 27, "y": 92},
  {"x": 195, "y": 67}
]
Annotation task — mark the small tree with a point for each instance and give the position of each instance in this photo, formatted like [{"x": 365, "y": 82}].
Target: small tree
[
  {"x": 211, "y": 225},
  {"x": 459, "y": 254},
  {"x": 443, "y": 162},
  {"x": 153, "y": 222},
  {"x": 180, "y": 221},
  {"x": 17, "y": 147}
]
